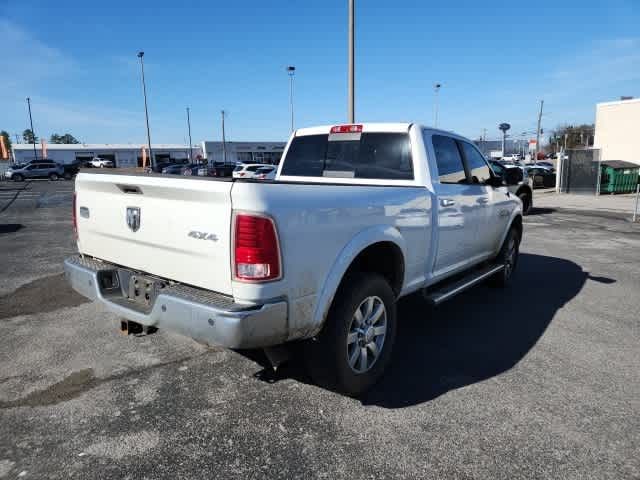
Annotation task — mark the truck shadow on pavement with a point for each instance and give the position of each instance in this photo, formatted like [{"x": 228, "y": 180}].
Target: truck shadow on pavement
[
  {"x": 482, "y": 333},
  {"x": 477, "y": 335}
]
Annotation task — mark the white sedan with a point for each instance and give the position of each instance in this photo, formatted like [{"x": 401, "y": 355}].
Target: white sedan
[
  {"x": 266, "y": 173},
  {"x": 246, "y": 170}
]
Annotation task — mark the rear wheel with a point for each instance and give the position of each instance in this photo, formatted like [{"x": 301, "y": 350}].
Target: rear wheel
[
  {"x": 53, "y": 177},
  {"x": 354, "y": 347},
  {"x": 508, "y": 256}
]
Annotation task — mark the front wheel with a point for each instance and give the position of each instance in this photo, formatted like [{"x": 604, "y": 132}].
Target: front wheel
[
  {"x": 17, "y": 177},
  {"x": 354, "y": 347},
  {"x": 53, "y": 177},
  {"x": 508, "y": 256},
  {"x": 526, "y": 203}
]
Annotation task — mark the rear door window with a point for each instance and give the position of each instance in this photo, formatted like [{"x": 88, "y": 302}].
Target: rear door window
[
  {"x": 385, "y": 156},
  {"x": 449, "y": 160},
  {"x": 476, "y": 164}
]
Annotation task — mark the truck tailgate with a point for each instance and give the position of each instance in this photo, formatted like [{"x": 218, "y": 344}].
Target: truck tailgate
[{"x": 182, "y": 231}]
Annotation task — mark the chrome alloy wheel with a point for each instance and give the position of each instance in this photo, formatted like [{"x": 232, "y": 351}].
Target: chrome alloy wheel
[
  {"x": 367, "y": 332},
  {"x": 510, "y": 257}
]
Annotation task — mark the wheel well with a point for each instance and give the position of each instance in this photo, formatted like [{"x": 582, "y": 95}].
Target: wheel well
[
  {"x": 384, "y": 258},
  {"x": 524, "y": 189},
  {"x": 517, "y": 224}
]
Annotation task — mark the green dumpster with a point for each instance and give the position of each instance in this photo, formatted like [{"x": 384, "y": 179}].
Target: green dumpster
[{"x": 617, "y": 176}]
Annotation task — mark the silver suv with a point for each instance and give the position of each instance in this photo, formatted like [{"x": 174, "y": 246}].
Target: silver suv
[{"x": 50, "y": 170}]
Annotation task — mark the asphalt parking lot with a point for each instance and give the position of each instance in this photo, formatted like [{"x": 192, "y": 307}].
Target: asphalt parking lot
[{"x": 539, "y": 381}]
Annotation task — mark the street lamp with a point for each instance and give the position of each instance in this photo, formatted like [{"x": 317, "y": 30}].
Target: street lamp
[
  {"x": 146, "y": 111},
  {"x": 33, "y": 134},
  {"x": 351, "y": 108},
  {"x": 291, "y": 71},
  {"x": 190, "y": 144},
  {"x": 436, "y": 90}
]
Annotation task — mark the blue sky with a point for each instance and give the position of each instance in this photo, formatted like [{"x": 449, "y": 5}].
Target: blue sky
[{"x": 495, "y": 60}]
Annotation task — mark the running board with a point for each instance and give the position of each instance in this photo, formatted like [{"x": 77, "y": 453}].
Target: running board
[{"x": 450, "y": 290}]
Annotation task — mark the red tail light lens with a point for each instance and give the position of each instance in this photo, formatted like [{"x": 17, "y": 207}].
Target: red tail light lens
[
  {"x": 75, "y": 218},
  {"x": 257, "y": 255}
]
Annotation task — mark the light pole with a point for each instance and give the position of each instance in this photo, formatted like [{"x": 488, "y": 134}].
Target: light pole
[
  {"x": 351, "y": 75},
  {"x": 190, "y": 144},
  {"x": 146, "y": 111},
  {"x": 436, "y": 90},
  {"x": 291, "y": 70},
  {"x": 33, "y": 134}
]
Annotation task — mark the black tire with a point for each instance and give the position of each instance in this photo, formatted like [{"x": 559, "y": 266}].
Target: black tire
[
  {"x": 327, "y": 356},
  {"x": 53, "y": 177},
  {"x": 509, "y": 257},
  {"x": 17, "y": 177},
  {"x": 526, "y": 203}
]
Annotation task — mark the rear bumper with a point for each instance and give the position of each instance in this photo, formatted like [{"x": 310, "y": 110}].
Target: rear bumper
[{"x": 204, "y": 316}]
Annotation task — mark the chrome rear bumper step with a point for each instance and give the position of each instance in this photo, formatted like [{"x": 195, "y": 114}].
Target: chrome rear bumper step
[{"x": 449, "y": 290}]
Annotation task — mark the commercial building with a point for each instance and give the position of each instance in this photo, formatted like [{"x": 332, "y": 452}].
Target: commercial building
[
  {"x": 122, "y": 155},
  {"x": 251, "y": 152},
  {"x": 617, "y": 130}
]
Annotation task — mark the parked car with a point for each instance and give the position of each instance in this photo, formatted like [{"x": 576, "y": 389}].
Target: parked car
[
  {"x": 246, "y": 170},
  {"x": 513, "y": 157},
  {"x": 266, "y": 173},
  {"x": 221, "y": 170},
  {"x": 545, "y": 165},
  {"x": 185, "y": 169},
  {"x": 542, "y": 177},
  {"x": 518, "y": 183},
  {"x": 361, "y": 215},
  {"x": 70, "y": 170},
  {"x": 50, "y": 170},
  {"x": 98, "y": 162}
]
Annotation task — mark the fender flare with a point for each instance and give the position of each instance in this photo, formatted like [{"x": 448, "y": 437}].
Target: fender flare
[
  {"x": 362, "y": 240},
  {"x": 517, "y": 212}
]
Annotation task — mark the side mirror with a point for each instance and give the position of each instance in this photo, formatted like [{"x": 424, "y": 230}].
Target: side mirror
[{"x": 495, "y": 181}]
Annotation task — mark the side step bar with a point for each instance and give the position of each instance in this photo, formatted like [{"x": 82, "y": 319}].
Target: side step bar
[{"x": 450, "y": 290}]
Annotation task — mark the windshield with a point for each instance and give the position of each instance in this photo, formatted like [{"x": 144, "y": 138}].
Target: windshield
[{"x": 373, "y": 156}]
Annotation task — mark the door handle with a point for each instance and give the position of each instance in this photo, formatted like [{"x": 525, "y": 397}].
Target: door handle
[{"x": 447, "y": 202}]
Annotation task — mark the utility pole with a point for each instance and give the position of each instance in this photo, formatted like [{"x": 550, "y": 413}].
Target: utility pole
[
  {"x": 538, "y": 131},
  {"x": 224, "y": 143},
  {"x": 190, "y": 144},
  {"x": 351, "y": 79},
  {"x": 33, "y": 134},
  {"x": 146, "y": 111}
]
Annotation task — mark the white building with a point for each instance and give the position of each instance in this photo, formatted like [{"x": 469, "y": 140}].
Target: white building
[
  {"x": 618, "y": 130},
  {"x": 253, "y": 152},
  {"x": 123, "y": 155}
]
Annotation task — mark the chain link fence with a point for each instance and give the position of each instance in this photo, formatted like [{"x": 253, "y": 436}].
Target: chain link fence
[{"x": 581, "y": 172}]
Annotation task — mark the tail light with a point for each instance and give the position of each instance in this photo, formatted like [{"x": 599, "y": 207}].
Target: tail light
[
  {"x": 75, "y": 218},
  {"x": 346, "y": 129},
  {"x": 256, "y": 249}
]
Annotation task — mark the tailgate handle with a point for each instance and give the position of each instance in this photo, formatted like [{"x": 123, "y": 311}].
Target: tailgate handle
[{"x": 130, "y": 189}]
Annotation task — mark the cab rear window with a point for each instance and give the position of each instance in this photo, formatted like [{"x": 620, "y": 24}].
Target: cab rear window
[{"x": 385, "y": 156}]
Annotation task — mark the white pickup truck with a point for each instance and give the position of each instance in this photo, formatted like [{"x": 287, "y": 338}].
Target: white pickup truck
[{"x": 357, "y": 217}]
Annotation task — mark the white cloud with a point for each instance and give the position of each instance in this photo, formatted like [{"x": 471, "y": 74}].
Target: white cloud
[{"x": 29, "y": 60}]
